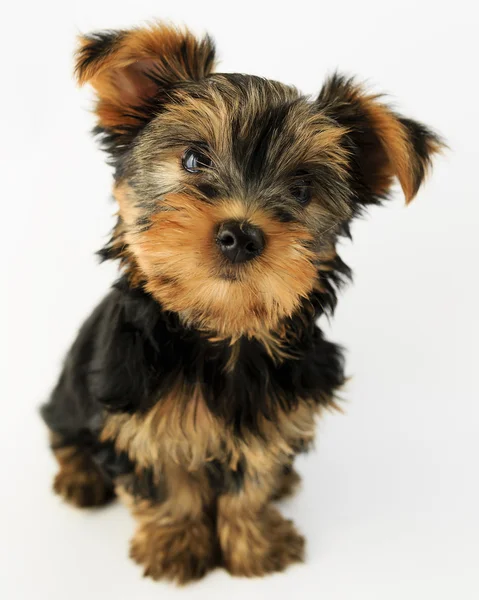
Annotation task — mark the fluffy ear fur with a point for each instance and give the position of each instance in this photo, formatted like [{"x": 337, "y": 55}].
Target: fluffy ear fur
[
  {"x": 382, "y": 144},
  {"x": 131, "y": 71}
]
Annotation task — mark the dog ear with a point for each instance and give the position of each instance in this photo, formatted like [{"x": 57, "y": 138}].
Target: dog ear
[
  {"x": 381, "y": 143},
  {"x": 132, "y": 71}
]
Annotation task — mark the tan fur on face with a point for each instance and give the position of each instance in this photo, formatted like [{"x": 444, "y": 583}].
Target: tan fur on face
[
  {"x": 315, "y": 136},
  {"x": 184, "y": 270},
  {"x": 175, "y": 255}
]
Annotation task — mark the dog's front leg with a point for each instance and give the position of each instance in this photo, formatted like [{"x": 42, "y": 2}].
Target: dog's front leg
[
  {"x": 254, "y": 537},
  {"x": 175, "y": 538}
]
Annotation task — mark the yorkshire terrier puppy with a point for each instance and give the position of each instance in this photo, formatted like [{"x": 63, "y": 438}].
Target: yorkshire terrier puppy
[{"x": 193, "y": 385}]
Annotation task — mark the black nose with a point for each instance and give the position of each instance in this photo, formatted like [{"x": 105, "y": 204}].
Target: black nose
[{"x": 240, "y": 242}]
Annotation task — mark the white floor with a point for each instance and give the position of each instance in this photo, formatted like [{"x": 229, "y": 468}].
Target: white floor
[{"x": 390, "y": 498}]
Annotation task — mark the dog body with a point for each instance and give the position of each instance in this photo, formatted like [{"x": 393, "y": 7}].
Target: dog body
[{"x": 196, "y": 381}]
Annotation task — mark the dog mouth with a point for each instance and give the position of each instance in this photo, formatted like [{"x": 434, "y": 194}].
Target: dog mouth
[
  {"x": 229, "y": 276},
  {"x": 235, "y": 272}
]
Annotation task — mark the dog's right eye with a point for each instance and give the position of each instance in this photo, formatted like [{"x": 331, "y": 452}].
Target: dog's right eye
[{"x": 195, "y": 160}]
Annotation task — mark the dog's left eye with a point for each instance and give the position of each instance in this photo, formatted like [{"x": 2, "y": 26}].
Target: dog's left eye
[
  {"x": 195, "y": 160},
  {"x": 301, "y": 191}
]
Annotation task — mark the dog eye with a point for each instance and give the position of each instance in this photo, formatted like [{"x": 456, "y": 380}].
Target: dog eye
[
  {"x": 195, "y": 160},
  {"x": 301, "y": 191}
]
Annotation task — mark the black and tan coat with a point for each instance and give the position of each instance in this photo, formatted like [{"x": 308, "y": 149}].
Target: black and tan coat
[{"x": 193, "y": 385}]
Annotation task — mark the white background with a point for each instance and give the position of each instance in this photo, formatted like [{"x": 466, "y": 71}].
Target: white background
[{"x": 390, "y": 498}]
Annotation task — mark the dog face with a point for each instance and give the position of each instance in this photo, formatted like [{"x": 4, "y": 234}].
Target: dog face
[{"x": 233, "y": 189}]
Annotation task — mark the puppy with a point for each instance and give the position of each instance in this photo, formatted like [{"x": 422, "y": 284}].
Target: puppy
[{"x": 193, "y": 385}]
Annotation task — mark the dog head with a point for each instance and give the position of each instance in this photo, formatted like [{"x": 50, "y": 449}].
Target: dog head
[{"x": 233, "y": 189}]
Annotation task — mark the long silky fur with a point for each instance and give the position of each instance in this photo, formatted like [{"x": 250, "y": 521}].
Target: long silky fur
[{"x": 193, "y": 384}]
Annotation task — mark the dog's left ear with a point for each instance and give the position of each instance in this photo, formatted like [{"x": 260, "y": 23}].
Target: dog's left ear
[
  {"x": 132, "y": 71},
  {"x": 382, "y": 145}
]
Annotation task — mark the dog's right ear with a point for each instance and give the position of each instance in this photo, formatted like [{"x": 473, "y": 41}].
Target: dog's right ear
[{"x": 132, "y": 71}]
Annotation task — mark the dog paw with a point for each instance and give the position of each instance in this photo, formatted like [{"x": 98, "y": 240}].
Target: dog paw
[
  {"x": 83, "y": 488},
  {"x": 180, "y": 552},
  {"x": 288, "y": 484},
  {"x": 263, "y": 546},
  {"x": 286, "y": 548}
]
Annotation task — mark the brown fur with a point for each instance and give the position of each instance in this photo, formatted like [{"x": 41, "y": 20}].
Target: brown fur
[
  {"x": 395, "y": 156},
  {"x": 177, "y": 255},
  {"x": 79, "y": 481},
  {"x": 254, "y": 538},
  {"x": 297, "y": 171},
  {"x": 182, "y": 431},
  {"x": 397, "y": 146},
  {"x": 177, "y": 443},
  {"x": 181, "y": 263},
  {"x": 121, "y": 74},
  {"x": 175, "y": 539},
  {"x": 288, "y": 483}
]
